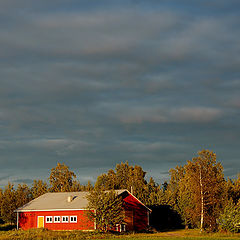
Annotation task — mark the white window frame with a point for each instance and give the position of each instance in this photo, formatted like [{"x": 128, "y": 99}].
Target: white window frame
[
  {"x": 65, "y": 221},
  {"x": 73, "y": 221},
  {"x": 49, "y": 219},
  {"x": 122, "y": 227},
  {"x": 55, "y": 218}
]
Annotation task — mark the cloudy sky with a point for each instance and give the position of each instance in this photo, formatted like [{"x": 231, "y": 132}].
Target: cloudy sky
[{"x": 94, "y": 83}]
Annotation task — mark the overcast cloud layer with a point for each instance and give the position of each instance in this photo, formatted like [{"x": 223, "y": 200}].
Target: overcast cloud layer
[{"x": 94, "y": 83}]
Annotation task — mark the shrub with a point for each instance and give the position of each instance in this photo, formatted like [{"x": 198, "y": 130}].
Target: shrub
[{"x": 229, "y": 220}]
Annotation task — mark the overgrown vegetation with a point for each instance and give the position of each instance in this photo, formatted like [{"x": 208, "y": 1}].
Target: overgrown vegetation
[
  {"x": 107, "y": 209},
  {"x": 229, "y": 219},
  {"x": 43, "y": 234},
  {"x": 197, "y": 193}
]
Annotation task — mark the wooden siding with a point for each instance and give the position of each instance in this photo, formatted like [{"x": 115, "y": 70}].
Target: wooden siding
[
  {"x": 29, "y": 220},
  {"x": 136, "y": 214},
  {"x": 136, "y": 217}
]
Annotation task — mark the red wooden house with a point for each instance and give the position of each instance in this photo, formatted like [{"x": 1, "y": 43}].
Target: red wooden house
[{"x": 68, "y": 211}]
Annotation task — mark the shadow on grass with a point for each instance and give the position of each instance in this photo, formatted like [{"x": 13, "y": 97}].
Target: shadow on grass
[
  {"x": 7, "y": 227},
  {"x": 163, "y": 218}
]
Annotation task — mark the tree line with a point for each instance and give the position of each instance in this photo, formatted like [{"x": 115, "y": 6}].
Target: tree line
[{"x": 197, "y": 191}]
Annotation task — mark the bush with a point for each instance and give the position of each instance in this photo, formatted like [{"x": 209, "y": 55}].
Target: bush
[{"x": 229, "y": 220}]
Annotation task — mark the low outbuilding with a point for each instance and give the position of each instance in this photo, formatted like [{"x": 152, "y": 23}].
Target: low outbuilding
[{"x": 68, "y": 211}]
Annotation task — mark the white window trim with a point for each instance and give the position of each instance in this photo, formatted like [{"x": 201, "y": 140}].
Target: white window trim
[
  {"x": 122, "y": 227},
  {"x": 46, "y": 219},
  {"x": 73, "y": 220},
  {"x": 64, "y": 221},
  {"x": 57, "y": 221}
]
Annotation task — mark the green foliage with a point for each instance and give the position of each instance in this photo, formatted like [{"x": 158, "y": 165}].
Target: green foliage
[
  {"x": 88, "y": 187},
  {"x": 11, "y": 199},
  {"x": 62, "y": 179},
  {"x": 229, "y": 220},
  {"x": 155, "y": 194},
  {"x": 108, "y": 209},
  {"x": 23, "y": 195},
  {"x": 233, "y": 189},
  {"x": 172, "y": 190},
  {"x": 9, "y": 204},
  {"x": 39, "y": 188},
  {"x": 197, "y": 190},
  {"x": 1, "y": 200},
  {"x": 125, "y": 177},
  {"x": 205, "y": 182}
]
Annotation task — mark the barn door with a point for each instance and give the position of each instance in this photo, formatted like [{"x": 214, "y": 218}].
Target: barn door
[
  {"x": 129, "y": 220},
  {"x": 40, "y": 223}
]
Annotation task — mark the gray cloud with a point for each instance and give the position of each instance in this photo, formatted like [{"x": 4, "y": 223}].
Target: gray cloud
[
  {"x": 92, "y": 86},
  {"x": 24, "y": 180},
  {"x": 161, "y": 115}
]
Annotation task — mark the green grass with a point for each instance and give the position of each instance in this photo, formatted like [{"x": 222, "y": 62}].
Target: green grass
[{"x": 43, "y": 234}]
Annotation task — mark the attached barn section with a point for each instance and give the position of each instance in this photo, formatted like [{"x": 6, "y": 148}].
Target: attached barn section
[
  {"x": 136, "y": 213},
  {"x": 68, "y": 211}
]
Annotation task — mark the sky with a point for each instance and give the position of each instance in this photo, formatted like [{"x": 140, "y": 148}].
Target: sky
[{"x": 95, "y": 83}]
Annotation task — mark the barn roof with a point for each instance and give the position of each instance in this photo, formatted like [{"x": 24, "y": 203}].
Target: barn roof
[{"x": 59, "y": 201}]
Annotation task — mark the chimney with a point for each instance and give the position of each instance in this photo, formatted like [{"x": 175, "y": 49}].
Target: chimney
[{"x": 69, "y": 199}]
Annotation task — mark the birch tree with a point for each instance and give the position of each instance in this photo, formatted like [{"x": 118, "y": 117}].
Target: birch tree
[{"x": 204, "y": 181}]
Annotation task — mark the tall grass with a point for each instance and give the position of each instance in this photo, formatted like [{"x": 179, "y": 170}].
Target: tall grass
[{"x": 43, "y": 234}]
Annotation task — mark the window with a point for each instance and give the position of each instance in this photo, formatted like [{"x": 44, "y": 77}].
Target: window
[
  {"x": 120, "y": 227},
  {"x": 123, "y": 226},
  {"x": 65, "y": 219},
  {"x": 57, "y": 219},
  {"x": 49, "y": 219},
  {"x": 73, "y": 219}
]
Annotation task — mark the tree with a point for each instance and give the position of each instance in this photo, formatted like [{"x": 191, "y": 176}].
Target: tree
[
  {"x": 155, "y": 194},
  {"x": 104, "y": 181},
  {"x": 9, "y": 204},
  {"x": 173, "y": 193},
  {"x": 108, "y": 209},
  {"x": 76, "y": 186},
  {"x": 124, "y": 176},
  {"x": 1, "y": 200},
  {"x": 88, "y": 187},
  {"x": 23, "y": 195},
  {"x": 229, "y": 220},
  {"x": 233, "y": 189},
  {"x": 197, "y": 191},
  {"x": 61, "y": 179},
  {"x": 127, "y": 177},
  {"x": 204, "y": 185},
  {"x": 39, "y": 188},
  {"x": 138, "y": 183}
]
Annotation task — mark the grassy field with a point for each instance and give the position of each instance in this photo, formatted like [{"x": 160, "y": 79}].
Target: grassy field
[{"x": 75, "y": 235}]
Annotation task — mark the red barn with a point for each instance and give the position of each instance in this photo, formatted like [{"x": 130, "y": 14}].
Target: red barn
[{"x": 68, "y": 211}]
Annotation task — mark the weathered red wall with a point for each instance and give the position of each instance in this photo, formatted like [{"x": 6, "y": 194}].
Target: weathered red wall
[
  {"x": 136, "y": 214},
  {"x": 28, "y": 220}
]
